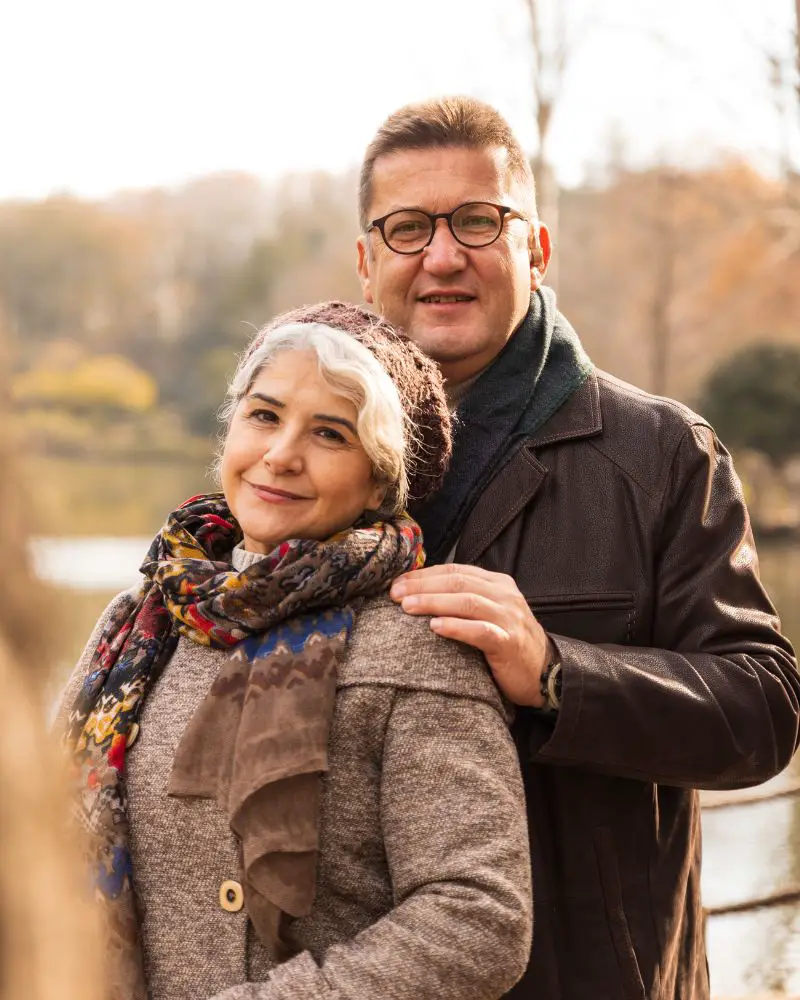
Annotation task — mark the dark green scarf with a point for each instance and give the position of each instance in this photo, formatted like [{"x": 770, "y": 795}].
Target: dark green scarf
[{"x": 536, "y": 372}]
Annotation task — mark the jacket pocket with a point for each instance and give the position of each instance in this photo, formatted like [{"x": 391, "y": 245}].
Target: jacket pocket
[
  {"x": 592, "y": 617},
  {"x": 627, "y": 963}
]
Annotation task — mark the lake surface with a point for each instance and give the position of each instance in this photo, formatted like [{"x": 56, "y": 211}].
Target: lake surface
[{"x": 749, "y": 850}]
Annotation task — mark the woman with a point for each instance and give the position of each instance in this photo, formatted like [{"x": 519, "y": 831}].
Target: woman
[{"x": 262, "y": 652}]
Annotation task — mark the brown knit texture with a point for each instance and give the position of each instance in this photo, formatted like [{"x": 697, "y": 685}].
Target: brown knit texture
[{"x": 418, "y": 380}]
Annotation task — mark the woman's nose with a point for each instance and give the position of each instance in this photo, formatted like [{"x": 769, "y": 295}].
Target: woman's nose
[{"x": 284, "y": 453}]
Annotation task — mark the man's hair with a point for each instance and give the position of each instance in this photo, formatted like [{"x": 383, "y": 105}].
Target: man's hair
[{"x": 441, "y": 122}]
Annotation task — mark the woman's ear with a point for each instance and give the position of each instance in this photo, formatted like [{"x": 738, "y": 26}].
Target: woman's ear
[{"x": 377, "y": 495}]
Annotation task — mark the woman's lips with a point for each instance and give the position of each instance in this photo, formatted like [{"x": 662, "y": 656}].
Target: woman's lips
[{"x": 273, "y": 495}]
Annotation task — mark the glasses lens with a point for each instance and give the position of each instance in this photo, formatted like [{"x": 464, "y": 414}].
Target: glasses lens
[
  {"x": 407, "y": 231},
  {"x": 477, "y": 224}
]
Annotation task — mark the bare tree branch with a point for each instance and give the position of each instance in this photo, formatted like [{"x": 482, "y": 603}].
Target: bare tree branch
[{"x": 797, "y": 51}]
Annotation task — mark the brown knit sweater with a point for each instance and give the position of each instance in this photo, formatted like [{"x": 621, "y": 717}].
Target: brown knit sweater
[{"x": 423, "y": 885}]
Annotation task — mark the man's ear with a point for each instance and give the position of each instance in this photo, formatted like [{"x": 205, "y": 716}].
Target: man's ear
[
  {"x": 362, "y": 266},
  {"x": 541, "y": 251}
]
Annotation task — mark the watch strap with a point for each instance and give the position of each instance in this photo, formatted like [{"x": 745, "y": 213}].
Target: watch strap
[{"x": 550, "y": 681}]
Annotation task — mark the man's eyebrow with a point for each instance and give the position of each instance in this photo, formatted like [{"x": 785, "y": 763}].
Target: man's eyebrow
[{"x": 406, "y": 208}]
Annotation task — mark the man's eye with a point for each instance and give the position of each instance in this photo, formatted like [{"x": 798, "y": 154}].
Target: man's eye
[
  {"x": 477, "y": 222},
  {"x": 412, "y": 227}
]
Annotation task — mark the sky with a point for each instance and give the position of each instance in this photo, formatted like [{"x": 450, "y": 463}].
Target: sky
[{"x": 98, "y": 96}]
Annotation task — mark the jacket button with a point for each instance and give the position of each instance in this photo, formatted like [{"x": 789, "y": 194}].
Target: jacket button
[
  {"x": 133, "y": 735},
  {"x": 231, "y": 896}
]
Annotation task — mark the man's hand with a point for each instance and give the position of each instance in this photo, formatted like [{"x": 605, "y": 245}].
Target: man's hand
[{"x": 487, "y": 611}]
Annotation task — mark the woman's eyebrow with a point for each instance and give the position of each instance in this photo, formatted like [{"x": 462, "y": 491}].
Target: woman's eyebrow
[
  {"x": 327, "y": 417},
  {"x": 336, "y": 420},
  {"x": 267, "y": 399}
]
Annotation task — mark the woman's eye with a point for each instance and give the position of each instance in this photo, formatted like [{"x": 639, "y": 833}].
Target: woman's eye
[
  {"x": 264, "y": 416},
  {"x": 331, "y": 435}
]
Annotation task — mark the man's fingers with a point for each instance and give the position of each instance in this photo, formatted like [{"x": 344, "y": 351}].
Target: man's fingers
[
  {"x": 485, "y": 636},
  {"x": 452, "y": 585},
  {"x": 470, "y": 606},
  {"x": 456, "y": 580},
  {"x": 445, "y": 570}
]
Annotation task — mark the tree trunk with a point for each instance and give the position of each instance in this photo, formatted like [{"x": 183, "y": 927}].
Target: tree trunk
[
  {"x": 547, "y": 72},
  {"x": 664, "y": 282},
  {"x": 797, "y": 50}
]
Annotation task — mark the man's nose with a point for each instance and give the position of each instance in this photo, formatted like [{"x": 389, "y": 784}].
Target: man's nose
[{"x": 444, "y": 254}]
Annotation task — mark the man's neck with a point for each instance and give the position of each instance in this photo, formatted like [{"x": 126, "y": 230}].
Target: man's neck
[{"x": 456, "y": 391}]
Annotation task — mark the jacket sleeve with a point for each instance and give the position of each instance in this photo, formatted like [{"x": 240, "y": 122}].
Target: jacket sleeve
[
  {"x": 453, "y": 814},
  {"x": 714, "y": 703}
]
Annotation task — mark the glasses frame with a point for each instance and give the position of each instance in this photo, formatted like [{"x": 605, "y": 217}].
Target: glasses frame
[{"x": 504, "y": 210}]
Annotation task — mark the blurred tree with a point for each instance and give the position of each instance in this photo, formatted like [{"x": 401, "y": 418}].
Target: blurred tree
[
  {"x": 105, "y": 382},
  {"x": 176, "y": 281},
  {"x": 797, "y": 55},
  {"x": 548, "y": 50},
  {"x": 753, "y": 401},
  {"x": 682, "y": 254},
  {"x": 294, "y": 244},
  {"x": 68, "y": 266}
]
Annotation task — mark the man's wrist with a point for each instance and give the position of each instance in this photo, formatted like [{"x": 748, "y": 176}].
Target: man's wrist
[{"x": 550, "y": 680}]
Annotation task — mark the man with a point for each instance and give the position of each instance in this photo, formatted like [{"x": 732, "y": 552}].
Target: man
[{"x": 592, "y": 541}]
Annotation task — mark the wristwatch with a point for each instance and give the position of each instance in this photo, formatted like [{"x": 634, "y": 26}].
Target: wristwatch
[{"x": 550, "y": 680}]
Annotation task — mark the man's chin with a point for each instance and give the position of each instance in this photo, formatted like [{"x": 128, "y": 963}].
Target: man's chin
[{"x": 444, "y": 343}]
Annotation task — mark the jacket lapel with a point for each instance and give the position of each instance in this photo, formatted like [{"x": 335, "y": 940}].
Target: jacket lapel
[{"x": 518, "y": 481}]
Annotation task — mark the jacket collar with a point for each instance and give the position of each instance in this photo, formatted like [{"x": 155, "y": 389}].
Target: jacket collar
[
  {"x": 519, "y": 480},
  {"x": 579, "y": 417}
]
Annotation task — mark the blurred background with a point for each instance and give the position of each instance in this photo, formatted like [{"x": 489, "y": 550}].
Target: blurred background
[{"x": 172, "y": 174}]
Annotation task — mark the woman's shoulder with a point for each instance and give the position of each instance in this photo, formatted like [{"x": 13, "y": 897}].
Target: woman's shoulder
[
  {"x": 121, "y": 601},
  {"x": 391, "y": 648},
  {"x": 116, "y": 608}
]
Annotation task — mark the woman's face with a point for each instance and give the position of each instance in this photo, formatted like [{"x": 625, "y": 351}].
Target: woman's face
[{"x": 293, "y": 466}]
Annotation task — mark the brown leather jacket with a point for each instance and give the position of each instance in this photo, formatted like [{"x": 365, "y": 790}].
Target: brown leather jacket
[{"x": 623, "y": 524}]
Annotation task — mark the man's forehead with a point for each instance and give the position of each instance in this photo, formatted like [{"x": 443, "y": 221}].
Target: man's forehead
[{"x": 440, "y": 176}]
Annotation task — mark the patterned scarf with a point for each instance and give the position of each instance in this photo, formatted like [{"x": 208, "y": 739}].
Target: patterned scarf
[{"x": 258, "y": 741}]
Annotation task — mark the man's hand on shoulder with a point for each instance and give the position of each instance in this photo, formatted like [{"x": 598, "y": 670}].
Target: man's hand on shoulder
[{"x": 485, "y": 610}]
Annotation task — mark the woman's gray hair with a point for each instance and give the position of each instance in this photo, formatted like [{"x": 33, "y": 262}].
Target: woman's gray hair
[{"x": 353, "y": 372}]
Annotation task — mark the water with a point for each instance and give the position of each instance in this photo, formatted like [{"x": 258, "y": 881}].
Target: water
[
  {"x": 749, "y": 850},
  {"x": 752, "y": 850},
  {"x": 90, "y": 564}
]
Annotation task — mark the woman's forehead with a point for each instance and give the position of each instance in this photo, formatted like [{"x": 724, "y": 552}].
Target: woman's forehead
[{"x": 293, "y": 377}]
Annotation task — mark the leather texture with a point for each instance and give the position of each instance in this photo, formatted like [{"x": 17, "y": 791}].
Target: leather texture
[{"x": 623, "y": 523}]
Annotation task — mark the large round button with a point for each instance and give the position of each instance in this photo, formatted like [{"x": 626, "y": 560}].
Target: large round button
[
  {"x": 231, "y": 896},
  {"x": 133, "y": 735}
]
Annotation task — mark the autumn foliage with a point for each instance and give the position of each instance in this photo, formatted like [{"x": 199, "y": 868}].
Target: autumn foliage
[{"x": 139, "y": 304}]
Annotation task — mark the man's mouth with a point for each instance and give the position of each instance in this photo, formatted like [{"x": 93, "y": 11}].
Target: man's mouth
[{"x": 445, "y": 299}]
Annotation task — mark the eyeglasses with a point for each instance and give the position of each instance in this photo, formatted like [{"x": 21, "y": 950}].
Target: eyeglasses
[{"x": 474, "y": 224}]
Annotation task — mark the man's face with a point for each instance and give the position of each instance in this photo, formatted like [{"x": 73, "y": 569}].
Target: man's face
[{"x": 463, "y": 336}]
